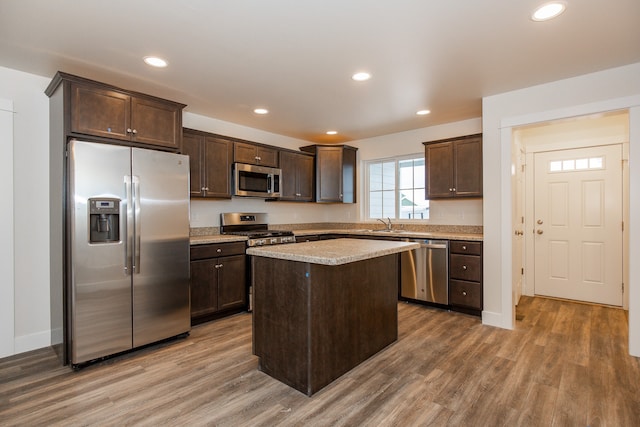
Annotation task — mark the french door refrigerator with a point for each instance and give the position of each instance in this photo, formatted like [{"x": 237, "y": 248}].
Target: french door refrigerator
[{"x": 127, "y": 268}]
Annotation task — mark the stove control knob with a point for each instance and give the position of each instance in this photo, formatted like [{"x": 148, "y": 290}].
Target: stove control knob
[{"x": 274, "y": 241}]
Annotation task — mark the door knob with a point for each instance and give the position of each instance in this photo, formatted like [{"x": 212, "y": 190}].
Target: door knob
[{"x": 539, "y": 231}]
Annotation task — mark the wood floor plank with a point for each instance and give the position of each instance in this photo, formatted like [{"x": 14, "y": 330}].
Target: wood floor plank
[{"x": 564, "y": 364}]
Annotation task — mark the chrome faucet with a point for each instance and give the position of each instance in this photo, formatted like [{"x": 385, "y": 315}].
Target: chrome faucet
[{"x": 388, "y": 225}]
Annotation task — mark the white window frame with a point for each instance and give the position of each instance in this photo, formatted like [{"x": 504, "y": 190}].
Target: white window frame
[{"x": 367, "y": 187}]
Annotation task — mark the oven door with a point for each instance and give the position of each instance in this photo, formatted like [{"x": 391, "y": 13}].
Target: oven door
[{"x": 256, "y": 181}]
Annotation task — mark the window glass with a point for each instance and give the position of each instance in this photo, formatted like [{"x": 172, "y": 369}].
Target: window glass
[{"x": 396, "y": 188}]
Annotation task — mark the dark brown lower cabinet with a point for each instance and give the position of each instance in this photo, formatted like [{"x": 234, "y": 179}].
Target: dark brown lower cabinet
[
  {"x": 465, "y": 276},
  {"x": 218, "y": 280}
]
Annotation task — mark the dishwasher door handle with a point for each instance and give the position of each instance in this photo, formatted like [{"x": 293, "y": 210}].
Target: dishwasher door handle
[{"x": 434, "y": 245}]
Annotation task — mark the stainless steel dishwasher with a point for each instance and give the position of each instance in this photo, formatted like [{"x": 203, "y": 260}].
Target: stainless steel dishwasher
[{"x": 425, "y": 272}]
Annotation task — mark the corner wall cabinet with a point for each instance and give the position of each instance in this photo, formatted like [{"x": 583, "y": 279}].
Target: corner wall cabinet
[
  {"x": 335, "y": 173},
  {"x": 254, "y": 154},
  {"x": 454, "y": 167},
  {"x": 218, "y": 280},
  {"x": 210, "y": 158},
  {"x": 297, "y": 176},
  {"x": 106, "y": 112},
  {"x": 465, "y": 276}
]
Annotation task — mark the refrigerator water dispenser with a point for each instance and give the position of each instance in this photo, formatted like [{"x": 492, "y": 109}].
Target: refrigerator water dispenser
[{"x": 104, "y": 220}]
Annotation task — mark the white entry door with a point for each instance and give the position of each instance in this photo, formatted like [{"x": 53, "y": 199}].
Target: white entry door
[{"x": 578, "y": 224}]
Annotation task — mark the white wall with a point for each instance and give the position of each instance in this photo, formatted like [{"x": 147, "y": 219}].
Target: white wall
[
  {"x": 614, "y": 89},
  {"x": 449, "y": 212},
  {"x": 30, "y": 206},
  {"x": 206, "y": 213},
  {"x": 6, "y": 229}
]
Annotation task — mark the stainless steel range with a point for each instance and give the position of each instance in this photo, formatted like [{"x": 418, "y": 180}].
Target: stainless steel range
[{"x": 255, "y": 227}]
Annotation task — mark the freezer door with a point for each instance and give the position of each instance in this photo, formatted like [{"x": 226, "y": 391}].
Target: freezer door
[
  {"x": 98, "y": 287},
  {"x": 161, "y": 260}
]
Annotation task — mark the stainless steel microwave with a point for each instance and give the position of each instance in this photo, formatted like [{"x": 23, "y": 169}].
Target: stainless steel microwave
[{"x": 256, "y": 181}]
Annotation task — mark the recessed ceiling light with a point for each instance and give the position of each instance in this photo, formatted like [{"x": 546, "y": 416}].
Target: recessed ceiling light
[
  {"x": 548, "y": 11},
  {"x": 361, "y": 76},
  {"x": 423, "y": 112},
  {"x": 261, "y": 111},
  {"x": 332, "y": 132},
  {"x": 154, "y": 61}
]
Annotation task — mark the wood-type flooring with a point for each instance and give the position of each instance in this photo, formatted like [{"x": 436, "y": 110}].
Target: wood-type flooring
[{"x": 565, "y": 364}]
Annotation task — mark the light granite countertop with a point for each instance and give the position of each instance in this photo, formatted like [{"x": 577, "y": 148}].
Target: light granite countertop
[
  {"x": 443, "y": 235},
  {"x": 216, "y": 238},
  {"x": 333, "y": 252},
  {"x": 453, "y": 235}
]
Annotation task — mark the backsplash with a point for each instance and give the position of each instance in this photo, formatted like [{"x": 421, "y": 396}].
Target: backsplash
[{"x": 433, "y": 228}]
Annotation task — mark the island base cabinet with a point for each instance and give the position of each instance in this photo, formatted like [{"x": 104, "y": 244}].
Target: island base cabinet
[{"x": 312, "y": 323}]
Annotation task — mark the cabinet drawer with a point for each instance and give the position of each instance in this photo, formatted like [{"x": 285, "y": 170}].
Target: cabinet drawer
[
  {"x": 217, "y": 250},
  {"x": 465, "y": 267},
  {"x": 465, "y": 294},
  {"x": 463, "y": 247}
]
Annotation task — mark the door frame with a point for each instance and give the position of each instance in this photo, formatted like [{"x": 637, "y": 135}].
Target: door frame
[
  {"x": 531, "y": 150},
  {"x": 7, "y": 248}
]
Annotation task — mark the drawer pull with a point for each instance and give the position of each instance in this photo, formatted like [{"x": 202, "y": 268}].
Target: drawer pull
[
  {"x": 464, "y": 267},
  {"x": 219, "y": 250},
  {"x": 464, "y": 293},
  {"x": 464, "y": 247}
]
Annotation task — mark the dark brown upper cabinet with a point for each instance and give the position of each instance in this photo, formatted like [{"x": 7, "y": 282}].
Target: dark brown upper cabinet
[
  {"x": 109, "y": 113},
  {"x": 335, "y": 173},
  {"x": 454, "y": 167},
  {"x": 297, "y": 176},
  {"x": 254, "y": 154},
  {"x": 210, "y": 158}
]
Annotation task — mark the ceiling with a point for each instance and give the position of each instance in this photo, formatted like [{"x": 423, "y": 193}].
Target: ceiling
[{"x": 296, "y": 57}]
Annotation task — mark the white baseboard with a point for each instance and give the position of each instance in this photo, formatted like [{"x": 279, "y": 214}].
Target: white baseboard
[
  {"x": 490, "y": 318},
  {"x": 32, "y": 342}
]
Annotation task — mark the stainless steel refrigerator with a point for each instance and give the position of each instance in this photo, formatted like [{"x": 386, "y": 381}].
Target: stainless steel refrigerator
[{"x": 127, "y": 268}]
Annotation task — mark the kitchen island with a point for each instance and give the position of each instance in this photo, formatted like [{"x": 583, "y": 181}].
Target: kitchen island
[{"x": 321, "y": 308}]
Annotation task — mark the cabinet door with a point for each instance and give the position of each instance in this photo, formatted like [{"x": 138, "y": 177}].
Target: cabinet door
[
  {"x": 329, "y": 174},
  {"x": 244, "y": 153},
  {"x": 468, "y": 168},
  {"x": 192, "y": 145},
  {"x": 348, "y": 184},
  {"x": 217, "y": 165},
  {"x": 267, "y": 156},
  {"x": 439, "y": 174},
  {"x": 100, "y": 112},
  {"x": 232, "y": 286},
  {"x": 288, "y": 180},
  {"x": 305, "y": 178},
  {"x": 204, "y": 290},
  {"x": 156, "y": 123}
]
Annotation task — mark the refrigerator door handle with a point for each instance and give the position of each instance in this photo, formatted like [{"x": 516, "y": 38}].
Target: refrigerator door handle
[
  {"x": 128, "y": 241},
  {"x": 136, "y": 224}
]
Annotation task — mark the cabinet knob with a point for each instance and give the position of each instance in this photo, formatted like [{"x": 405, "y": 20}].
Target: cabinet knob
[
  {"x": 450, "y": 189},
  {"x": 464, "y": 247},
  {"x": 219, "y": 250},
  {"x": 219, "y": 265},
  {"x": 464, "y": 267},
  {"x": 464, "y": 293},
  {"x": 206, "y": 188},
  {"x": 298, "y": 194},
  {"x": 134, "y": 131},
  {"x": 128, "y": 130}
]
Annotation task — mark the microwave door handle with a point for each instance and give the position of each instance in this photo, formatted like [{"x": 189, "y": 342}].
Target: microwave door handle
[{"x": 269, "y": 184}]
